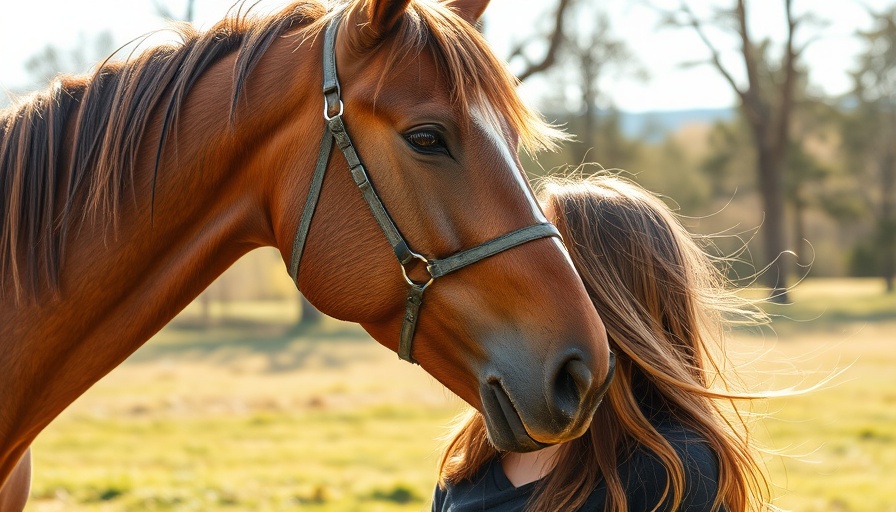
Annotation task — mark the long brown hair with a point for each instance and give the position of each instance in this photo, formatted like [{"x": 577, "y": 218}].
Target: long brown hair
[{"x": 666, "y": 306}]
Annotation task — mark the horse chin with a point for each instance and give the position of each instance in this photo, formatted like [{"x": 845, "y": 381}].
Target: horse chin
[{"x": 506, "y": 430}]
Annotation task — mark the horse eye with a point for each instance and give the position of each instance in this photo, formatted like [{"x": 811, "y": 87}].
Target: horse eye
[{"x": 427, "y": 141}]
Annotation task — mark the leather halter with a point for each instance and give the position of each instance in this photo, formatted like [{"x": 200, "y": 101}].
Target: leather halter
[{"x": 335, "y": 129}]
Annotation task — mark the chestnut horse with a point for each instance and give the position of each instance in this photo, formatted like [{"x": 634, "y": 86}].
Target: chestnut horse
[{"x": 126, "y": 193}]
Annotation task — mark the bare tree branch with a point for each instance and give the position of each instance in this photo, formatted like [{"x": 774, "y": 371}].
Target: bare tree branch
[
  {"x": 752, "y": 97},
  {"x": 785, "y": 107},
  {"x": 188, "y": 14},
  {"x": 163, "y": 11},
  {"x": 554, "y": 43},
  {"x": 694, "y": 22}
]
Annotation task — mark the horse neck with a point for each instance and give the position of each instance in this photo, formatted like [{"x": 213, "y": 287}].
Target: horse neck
[{"x": 174, "y": 235}]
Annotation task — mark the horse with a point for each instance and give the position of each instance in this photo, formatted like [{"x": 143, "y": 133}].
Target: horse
[{"x": 127, "y": 191}]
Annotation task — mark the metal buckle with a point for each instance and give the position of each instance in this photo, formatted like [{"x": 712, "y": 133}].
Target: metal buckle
[
  {"x": 327, "y": 115},
  {"x": 404, "y": 272}
]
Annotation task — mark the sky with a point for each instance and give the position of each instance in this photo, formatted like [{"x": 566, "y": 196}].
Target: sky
[{"x": 27, "y": 26}]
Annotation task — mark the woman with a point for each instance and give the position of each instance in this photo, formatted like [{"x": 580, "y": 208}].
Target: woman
[{"x": 667, "y": 436}]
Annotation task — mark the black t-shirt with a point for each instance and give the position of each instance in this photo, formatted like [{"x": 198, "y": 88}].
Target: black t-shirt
[
  {"x": 643, "y": 475},
  {"x": 643, "y": 478}
]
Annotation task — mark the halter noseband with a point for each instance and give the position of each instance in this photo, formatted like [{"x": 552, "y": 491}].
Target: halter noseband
[{"x": 335, "y": 129}]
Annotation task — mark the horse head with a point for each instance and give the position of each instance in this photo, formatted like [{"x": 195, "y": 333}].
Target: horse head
[{"x": 434, "y": 123}]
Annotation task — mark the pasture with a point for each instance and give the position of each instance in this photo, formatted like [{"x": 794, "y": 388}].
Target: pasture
[{"x": 250, "y": 415}]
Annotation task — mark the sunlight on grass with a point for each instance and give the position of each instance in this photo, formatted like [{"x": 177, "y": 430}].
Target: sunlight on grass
[
  {"x": 318, "y": 460},
  {"x": 830, "y": 444}
]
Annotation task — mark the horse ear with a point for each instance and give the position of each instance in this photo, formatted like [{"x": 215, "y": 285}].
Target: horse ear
[
  {"x": 470, "y": 10},
  {"x": 370, "y": 21}
]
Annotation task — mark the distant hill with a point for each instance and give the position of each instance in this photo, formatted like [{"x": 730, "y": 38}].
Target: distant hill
[{"x": 653, "y": 126}]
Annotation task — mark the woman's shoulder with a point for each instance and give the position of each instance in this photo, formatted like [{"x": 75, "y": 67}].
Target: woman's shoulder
[
  {"x": 690, "y": 445},
  {"x": 488, "y": 489},
  {"x": 645, "y": 477}
]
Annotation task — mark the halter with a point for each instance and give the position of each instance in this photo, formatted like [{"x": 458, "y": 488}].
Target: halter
[{"x": 335, "y": 129}]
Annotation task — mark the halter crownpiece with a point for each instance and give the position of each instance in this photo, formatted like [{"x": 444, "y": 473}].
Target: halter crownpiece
[{"x": 335, "y": 130}]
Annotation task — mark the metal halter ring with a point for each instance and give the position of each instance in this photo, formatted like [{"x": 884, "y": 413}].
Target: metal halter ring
[
  {"x": 327, "y": 115},
  {"x": 411, "y": 282}
]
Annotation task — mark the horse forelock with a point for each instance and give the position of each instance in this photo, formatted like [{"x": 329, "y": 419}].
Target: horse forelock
[{"x": 475, "y": 77}]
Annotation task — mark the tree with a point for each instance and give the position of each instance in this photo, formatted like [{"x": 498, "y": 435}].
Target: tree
[
  {"x": 554, "y": 39},
  {"x": 578, "y": 52},
  {"x": 728, "y": 158},
  {"x": 803, "y": 191},
  {"x": 816, "y": 177},
  {"x": 870, "y": 132},
  {"x": 43, "y": 66},
  {"x": 165, "y": 12},
  {"x": 590, "y": 51},
  {"x": 308, "y": 314},
  {"x": 811, "y": 181},
  {"x": 766, "y": 100}
]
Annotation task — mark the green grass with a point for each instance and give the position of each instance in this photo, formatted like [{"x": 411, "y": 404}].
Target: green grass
[
  {"x": 838, "y": 442},
  {"x": 246, "y": 415},
  {"x": 824, "y": 303},
  {"x": 313, "y": 460},
  {"x": 237, "y": 418}
]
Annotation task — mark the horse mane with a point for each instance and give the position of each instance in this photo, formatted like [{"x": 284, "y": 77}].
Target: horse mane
[{"x": 71, "y": 151}]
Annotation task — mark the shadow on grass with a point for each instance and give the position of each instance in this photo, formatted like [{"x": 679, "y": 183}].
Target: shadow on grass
[
  {"x": 836, "y": 317},
  {"x": 283, "y": 347},
  {"x": 816, "y": 317}
]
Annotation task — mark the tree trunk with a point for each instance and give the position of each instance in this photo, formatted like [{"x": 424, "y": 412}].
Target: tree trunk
[
  {"x": 589, "y": 102},
  {"x": 799, "y": 229},
  {"x": 888, "y": 220},
  {"x": 888, "y": 266},
  {"x": 308, "y": 314},
  {"x": 205, "y": 308},
  {"x": 771, "y": 189},
  {"x": 587, "y": 149}
]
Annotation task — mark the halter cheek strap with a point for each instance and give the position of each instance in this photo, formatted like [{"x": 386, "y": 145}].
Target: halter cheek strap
[{"x": 335, "y": 130}]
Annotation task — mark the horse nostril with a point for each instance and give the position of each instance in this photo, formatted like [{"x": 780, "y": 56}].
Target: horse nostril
[
  {"x": 572, "y": 382},
  {"x": 580, "y": 374}
]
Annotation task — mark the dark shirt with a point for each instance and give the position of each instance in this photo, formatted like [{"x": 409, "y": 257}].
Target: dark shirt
[
  {"x": 643, "y": 478},
  {"x": 642, "y": 474}
]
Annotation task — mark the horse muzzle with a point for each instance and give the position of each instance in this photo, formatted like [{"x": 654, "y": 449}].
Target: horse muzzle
[{"x": 524, "y": 416}]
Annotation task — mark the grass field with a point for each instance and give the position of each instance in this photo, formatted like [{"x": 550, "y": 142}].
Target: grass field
[{"x": 244, "y": 416}]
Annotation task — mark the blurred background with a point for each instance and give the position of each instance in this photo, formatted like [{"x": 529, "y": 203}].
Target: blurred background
[{"x": 767, "y": 123}]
